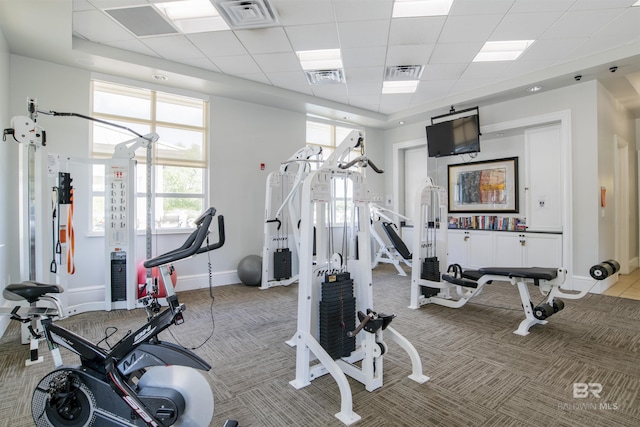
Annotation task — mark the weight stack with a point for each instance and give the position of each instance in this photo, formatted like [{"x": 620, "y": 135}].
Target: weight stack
[
  {"x": 118, "y": 276},
  {"x": 337, "y": 315},
  {"x": 282, "y": 264},
  {"x": 430, "y": 269}
]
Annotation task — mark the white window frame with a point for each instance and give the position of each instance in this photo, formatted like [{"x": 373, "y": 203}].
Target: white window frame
[{"x": 141, "y": 167}]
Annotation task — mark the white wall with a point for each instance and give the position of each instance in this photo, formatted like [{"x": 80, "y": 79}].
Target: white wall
[
  {"x": 243, "y": 135},
  {"x": 581, "y": 100},
  {"x": 9, "y": 270},
  {"x": 614, "y": 120}
]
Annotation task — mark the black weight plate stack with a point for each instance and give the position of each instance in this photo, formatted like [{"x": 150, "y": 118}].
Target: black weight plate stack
[
  {"x": 282, "y": 264},
  {"x": 337, "y": 315},
  {"x": 430, "y": 269}
]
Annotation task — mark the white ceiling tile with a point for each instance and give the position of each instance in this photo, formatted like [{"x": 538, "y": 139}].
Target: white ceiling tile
[
  {"x": 580, "y": 23},
  {"x": 524, "y": 67},
  {"x": 600, "y": 4},
  {"x": 595, "y": 45},
  {"x": 429, "y": 90},
  {"x": 362, "y": 10},
  {"x": 524, "y": 26},
  {"x": 297, "y": 12},
  {"x": 218, "y": 43},
  {"x": 460, "y": 29},
  {"x": 278, "y": 62},
  {"x": 484, "y": 70},
  {"x": 365, "y": 88},
  {"x": 363, "y": 34},
  {"x": 243, "y": 64},
  {"x": 454, "y": 53},
  {"x": 415, "y": 30},
  {"x": 314, "y": 36},
  {"x": 364, "y": 57},
  {"x": 551, "y": 49},
  {"x": 409, "y": 54},
  {"x": 115, "y": 4},
  {"x": 525, "y": 6},
  {"x": 365, "y": 75},
  {"x": 443, "y": 71},
  {"x": 482, "y": 7},
  {"x": 176, "y": 47},
  {"x": 98, "y": 27},
  {"x": 625, "y": 26},
  {"x": 469, "y": 84},
  {"x": 264, "y": 40},
  {"x": 295, "y": 81}
]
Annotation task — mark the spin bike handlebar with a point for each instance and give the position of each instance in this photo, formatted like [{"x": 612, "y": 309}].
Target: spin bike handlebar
[{"x": 193, "y": 244}]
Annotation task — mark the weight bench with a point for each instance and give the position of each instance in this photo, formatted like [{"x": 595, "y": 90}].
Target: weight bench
[
  {"x": 464, "y": 285},
  {"x": 391, "y": 254}
]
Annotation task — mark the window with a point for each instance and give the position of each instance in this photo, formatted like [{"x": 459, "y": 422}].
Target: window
[
  {"x": 179, "y": 158},
  {"x": 329, "y": 137}
]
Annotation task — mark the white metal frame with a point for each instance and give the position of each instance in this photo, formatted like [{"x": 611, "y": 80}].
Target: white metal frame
[
  {"x": 286, "y": 213},
  {"x": 316, "y": 200}
]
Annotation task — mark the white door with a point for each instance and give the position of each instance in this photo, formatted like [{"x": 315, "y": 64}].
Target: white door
[{"x": 415, "y": 175}]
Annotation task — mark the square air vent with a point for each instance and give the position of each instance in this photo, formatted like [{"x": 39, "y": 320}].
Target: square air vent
[
  {"x": 403, "y": 72},
  {"x": 247, "y": 14},
  {"x": 323, "y": 77},
  {"x": 142, "y": 21}
]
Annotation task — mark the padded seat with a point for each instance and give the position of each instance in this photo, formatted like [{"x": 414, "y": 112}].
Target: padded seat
[
  {"x": 536, "y": 273},
  {"x": 30, "y": 291}
]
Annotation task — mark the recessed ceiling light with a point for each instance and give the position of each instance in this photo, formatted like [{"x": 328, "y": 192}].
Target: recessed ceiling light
[
  {"x": 193, "y": 16},
  {"x": 502, "y": 50},
  {"x": 402, "y": 86},
  {"x": 636, "y": 3},
  {"x": 401, "y": 122},
  {"x": 412, "y": 8},
  {"x": 160, "y": 77},
  {"x": 324, "y": 59},
  {"x": 534, "y": 88}
]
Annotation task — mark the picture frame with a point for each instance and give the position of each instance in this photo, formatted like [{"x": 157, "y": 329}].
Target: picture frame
[{"x": 488, "y": 186}]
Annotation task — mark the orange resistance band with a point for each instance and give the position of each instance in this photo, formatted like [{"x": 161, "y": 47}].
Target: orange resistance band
[{"x": 71, "y": 266}]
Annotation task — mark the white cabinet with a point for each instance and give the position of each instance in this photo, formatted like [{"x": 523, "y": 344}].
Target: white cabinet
[
  {"x": 479, "y": 248},
  {"x": 470, "y": 248}
]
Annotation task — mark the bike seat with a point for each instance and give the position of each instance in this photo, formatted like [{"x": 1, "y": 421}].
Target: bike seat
[{"x": 31, "y": 291}]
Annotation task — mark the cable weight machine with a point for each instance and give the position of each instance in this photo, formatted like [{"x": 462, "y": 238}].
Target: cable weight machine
[
  {"x": 280, "y": 252},
  {"x": 337, "y": 288}
]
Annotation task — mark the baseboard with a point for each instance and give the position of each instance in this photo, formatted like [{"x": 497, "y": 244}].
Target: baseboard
[
  {"x": 201, "y": 281},
  {"x": 580, "y": 283},
  {"x": 633, "y": 264}
]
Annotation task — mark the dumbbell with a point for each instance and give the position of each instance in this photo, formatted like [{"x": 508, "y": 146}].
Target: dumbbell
[{"x": 604, "y": 269}]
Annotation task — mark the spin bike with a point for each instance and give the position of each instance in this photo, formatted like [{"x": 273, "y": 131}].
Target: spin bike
[{"x": 141, "y": 380}]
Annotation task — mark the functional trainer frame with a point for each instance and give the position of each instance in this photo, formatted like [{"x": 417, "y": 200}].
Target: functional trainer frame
[{"x": 365, "y": 364}]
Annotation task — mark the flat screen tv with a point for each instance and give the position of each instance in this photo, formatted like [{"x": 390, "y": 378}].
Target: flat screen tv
[{"x": 457, "y": 136}]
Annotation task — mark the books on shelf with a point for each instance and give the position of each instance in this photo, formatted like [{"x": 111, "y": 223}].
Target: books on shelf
[{"x": 488, "y": 222}]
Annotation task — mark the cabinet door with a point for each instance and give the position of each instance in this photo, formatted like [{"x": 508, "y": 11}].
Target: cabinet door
[
  {"x": 543, "y": 250},
  {"x": 457, "y": 248},
  {"x": 508, "y": 250},
  {"x": 480, "y": 249}
]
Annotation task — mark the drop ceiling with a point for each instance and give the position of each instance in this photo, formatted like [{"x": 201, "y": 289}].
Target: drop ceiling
[{"x": 572, "y": 37}]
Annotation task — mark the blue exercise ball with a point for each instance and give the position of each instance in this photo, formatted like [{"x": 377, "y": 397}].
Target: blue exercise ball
[{"x": 250, "y": 270}]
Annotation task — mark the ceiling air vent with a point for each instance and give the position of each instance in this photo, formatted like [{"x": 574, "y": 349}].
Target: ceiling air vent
[
  {"x": 247, "y": 14},
  {"x": 403, "y": 72},
  {"x": 323, "y": 77},
  {"x": 142, "y": 21}
]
